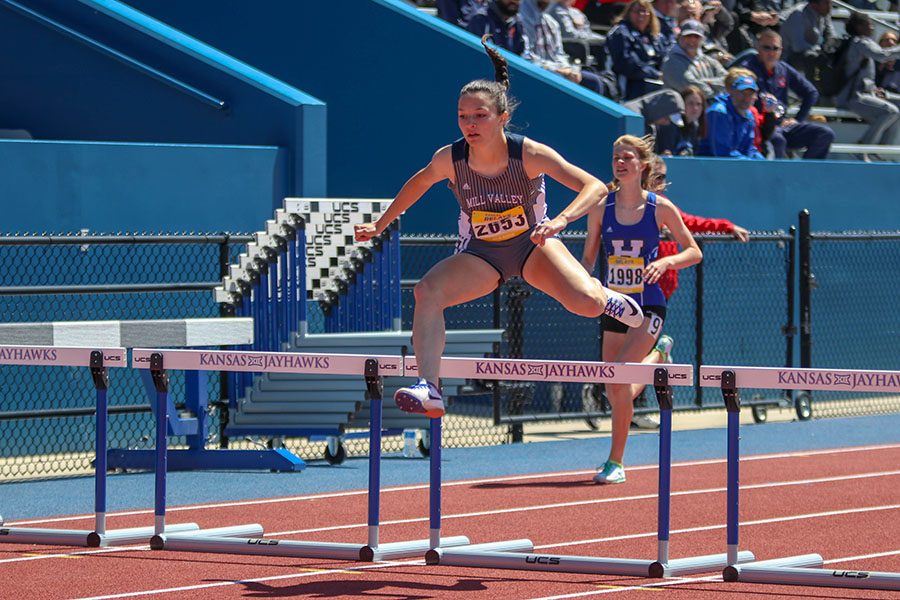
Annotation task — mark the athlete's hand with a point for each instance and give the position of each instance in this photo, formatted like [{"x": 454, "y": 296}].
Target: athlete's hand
[
  {"x": 655, "y": 270},
  {"x": 364, "y": 232},
  {"x": 548, "y": 229},
  {"x": 741, "y": 234}
]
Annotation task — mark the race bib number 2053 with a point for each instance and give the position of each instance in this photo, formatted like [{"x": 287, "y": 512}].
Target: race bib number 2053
[{"x": 496, "y": 227}]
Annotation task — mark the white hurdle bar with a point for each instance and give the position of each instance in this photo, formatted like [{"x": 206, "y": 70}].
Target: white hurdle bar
[
  {"x": 805, "y": 569},
  {"x": 98, "y": 360},
  {"x": 518, "y": 554},
  {"x": 373, "y": 368}
]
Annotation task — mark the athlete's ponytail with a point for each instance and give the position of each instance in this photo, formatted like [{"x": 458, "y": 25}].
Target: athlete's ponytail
[{"x": 496, "y": 90}]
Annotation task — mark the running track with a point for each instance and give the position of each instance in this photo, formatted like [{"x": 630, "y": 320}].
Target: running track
[{"x": 842, "y": 502}]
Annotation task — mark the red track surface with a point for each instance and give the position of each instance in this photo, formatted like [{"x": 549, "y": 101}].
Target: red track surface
[{"x": 840, "y": 504}]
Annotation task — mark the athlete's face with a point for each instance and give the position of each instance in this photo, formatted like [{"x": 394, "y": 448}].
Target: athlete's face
[
  {"x": 626, "y": 163},
  {"x": 478, "y": 119}
]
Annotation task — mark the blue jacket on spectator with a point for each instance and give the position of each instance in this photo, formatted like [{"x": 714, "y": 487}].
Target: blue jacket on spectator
[
  {"x": 458, "y": 12},
  {"x": 728, "y": 133},
  {"x": 508, "y": 33},
  {"x": 636, "y": 57},
  {"x": 783, "y": 77}
]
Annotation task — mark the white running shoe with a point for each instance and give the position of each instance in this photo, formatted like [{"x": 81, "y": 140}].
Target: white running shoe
[
  {"x": 623, "y": 308},
  {"x": 610, "y": 472},
  {"x": 421, "y": 397},
  {"x": 644, "y": 422}
]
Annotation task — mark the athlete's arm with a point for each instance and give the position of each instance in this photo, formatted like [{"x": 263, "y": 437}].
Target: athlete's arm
[
  {"x": 440, "y": 168},
  {"x": 594, "y": 235},
  {"x": 540, "y": 158},
  {"x": 667, "y": 216}
]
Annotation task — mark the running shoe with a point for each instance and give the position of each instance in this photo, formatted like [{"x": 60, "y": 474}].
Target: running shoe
[
  {"x": 622, "y": 307},
  {"x": 644, "y": 422},
  {"x": 421, "y": 397},
  {"x": 611, "y": 472},
  {"x": 664, "y": 347}
]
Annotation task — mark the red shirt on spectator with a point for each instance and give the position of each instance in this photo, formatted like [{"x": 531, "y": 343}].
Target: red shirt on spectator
[{"x": 669, "y": 280}]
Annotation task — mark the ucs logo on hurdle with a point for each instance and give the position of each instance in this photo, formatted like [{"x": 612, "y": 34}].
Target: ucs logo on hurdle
[
  {"x": 542, "y": 560},
  {"x": 851, "y": 574}
]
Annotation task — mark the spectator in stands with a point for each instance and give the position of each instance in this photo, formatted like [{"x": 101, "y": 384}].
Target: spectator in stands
[
  {"x": 683, "y": 140},
  {"x": 498, "y": 179},
  {"x": 601, "y": 12},
  {"x": 576, "y": 29},
  {"x": 660, "y": 109},
  {"x": 687, "y": 65},
  {"x": 546, "y": 50},
  {"x": 636, "y": 49},
  {"x": 730, "y": 124},
  {"x": 500, "y": 19},
  {"x": 879, "y": 107},
  {"x": 806, "y": 32},
  {"x": 706, "y": 14},
  {"x": 775, "y": 79},
  {"x": 888, "y": 76},
  {"x": 458, "y": 12},
  {"x": 667, "y": 15},
  {"x": 626, "y": 225},
  {"x": 756, "y": 15}
]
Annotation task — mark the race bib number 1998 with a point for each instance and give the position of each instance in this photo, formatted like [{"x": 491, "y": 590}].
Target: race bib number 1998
[
  {"x": 496, "y": 227},
  {"x": 626, "y": 274}
]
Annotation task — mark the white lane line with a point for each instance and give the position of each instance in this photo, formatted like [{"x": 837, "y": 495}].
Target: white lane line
[
  {"x": 462, "y": 482},
  {"x": 862, "y": 557},
  {"x": 202, "y": 586},
  {"x": 818, "y": 515},
  {"x": 592, "y": 501},
  {"x": 73, "y": 553}
]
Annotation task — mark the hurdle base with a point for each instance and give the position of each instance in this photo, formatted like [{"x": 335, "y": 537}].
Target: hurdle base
[
  {"x": 816, "y": 577},
  {"x": 695, "y": 564},
  {"x": 133, "y": 535},
  {"x": 165, "y": 541},
  {"x": 409, "y": 549},
  {"x": 277, "y": 459},
  {"x": 734, "y": 573},
  {"x": 491, "y": 557}
]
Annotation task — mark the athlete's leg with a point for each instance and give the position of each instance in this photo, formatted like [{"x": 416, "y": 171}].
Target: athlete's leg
[
  {"x": 457, "y": 279},
  {"x": 552, "y": 269},
  {"x": 633, "y": 346}
]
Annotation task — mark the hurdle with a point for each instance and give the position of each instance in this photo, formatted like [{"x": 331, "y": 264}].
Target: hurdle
[
  {"x": 803, "y": 569},
  {"x": 98, "y": 360},
  {"x": 518, "y": 554},
  {"x": 372, "y": 368}
]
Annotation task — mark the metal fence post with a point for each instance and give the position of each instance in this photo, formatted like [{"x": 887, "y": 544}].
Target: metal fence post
[
  {"x": 698, "y": 324},
  {"x": 806, "y": 282}
]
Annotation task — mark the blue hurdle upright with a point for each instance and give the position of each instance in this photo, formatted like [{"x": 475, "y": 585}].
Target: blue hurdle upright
[
  {"x": 805, "y": 569},
  {"x": 373, "y": 368},
  {"x": 98, "y": 360},
  {"x": 517, "y": 554}
]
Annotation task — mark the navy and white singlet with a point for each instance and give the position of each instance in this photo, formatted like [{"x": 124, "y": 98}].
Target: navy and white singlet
[
  {"x": 498, "y": 214},
  {"x": 629, "y": 249}
]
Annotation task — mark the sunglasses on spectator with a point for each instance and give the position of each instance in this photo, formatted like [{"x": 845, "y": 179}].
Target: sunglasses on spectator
[{"x": 770, "y": 48}]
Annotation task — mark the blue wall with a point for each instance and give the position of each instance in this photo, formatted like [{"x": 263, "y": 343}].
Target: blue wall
[
  {"x": 391, "y": 75},
  {"x": 61, "y": 88},
  {"x": 767, "y": 195},
  {"x": 111, "y": 187}
]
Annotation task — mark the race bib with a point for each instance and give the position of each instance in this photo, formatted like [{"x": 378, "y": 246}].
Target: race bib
[
  {"x": 625, "y": 274},
  {"x": 496, "y": 227}
]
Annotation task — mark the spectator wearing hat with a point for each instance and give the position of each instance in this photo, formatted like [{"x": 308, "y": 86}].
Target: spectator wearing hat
[
  {"x": 687, "y": 65},
  {"x": 775, "y": 79},
  {"x": 663, "y": 112},
  {"x": 730, "y": 124}
]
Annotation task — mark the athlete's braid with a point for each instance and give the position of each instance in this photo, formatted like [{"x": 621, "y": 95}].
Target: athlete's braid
[{"x": 501, "y": 67}]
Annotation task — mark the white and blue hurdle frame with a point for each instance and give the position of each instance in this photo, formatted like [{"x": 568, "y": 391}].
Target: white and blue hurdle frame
[
  {"x": 518, "y": 554},
  {"x": 805, "y": 569},
  {"x": 99, "y": 360},
  {"x": 373, "y": 368}
]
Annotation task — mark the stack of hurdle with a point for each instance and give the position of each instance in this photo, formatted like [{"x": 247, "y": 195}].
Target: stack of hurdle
[
  {"x": 99, "y": 345},
  {"x": 803, "y": 569}
]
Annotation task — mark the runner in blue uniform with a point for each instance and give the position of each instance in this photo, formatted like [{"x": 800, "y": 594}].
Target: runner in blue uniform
[
  {"x": 628, "y": 222},
  {"x": 504, "y": 229}
]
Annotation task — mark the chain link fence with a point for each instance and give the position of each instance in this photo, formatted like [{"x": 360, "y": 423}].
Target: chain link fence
[{"x": 735, "y": 308}]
